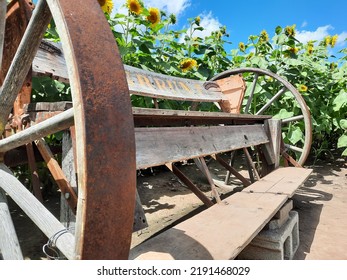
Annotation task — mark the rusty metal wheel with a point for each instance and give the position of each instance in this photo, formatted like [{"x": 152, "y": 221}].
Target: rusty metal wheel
[
  {"x": 105, "y": 140},
  {"x": 269, "y": 94}
]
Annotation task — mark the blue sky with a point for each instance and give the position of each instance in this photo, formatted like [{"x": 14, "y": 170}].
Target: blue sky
[{"x": 314, "y": 19}]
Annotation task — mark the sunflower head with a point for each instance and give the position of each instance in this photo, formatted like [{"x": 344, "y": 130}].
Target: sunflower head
[
  {"x": 188, "y": 64},
  {"x": 135, "y": 7},
  {"x": 302, "y": 88},
  {"x": 333, "y": 40},
  {"x": 264, "y": 36},
  {"x": 106, "y": 5},
  {"x": 197, "y": 20},
  {"x": 290, "y": 30},
  {"x": 293, "y": 50},
  {"x": 154, "y": 16},
  {"x": 242, "y": 47},
  {"x": 327, "y": 41}
]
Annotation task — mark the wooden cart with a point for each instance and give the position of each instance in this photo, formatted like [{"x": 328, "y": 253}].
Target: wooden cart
[{"x": 111, "y": 140}]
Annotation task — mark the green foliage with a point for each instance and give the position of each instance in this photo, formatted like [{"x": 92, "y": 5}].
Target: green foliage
[{"x": 318, "y": 76}]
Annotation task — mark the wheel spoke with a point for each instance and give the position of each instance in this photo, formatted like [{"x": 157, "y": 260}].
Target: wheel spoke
[
  {"x": 292, "y": 119},
  {"x": 52, "y": 125},
  {"x": 3, "y": 4},
  {"x": 249, "y": 101},
  {"x": 294, "y": 148},
  {"x": 274, "y": 98},
  {"x": 21, "y": 63}
]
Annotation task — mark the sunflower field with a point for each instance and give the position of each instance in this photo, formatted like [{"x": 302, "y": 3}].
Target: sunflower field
[{"x": 148, "y": 38}]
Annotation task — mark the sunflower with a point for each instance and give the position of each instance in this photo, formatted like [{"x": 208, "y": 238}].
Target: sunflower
[
  {"x": 333, "y": 40},
  {"x": 302, "y": 88},
  {"x": 290, "y": 30},
  {"x": 154, "y": 16},
  {"x": 135, "y": 6},
  {"x": 106, "y": 5},
  {"x": 188, "y": 64},
  {"x": 242, "y": 47},
  {"x": 293, "y": 50},
  {"x": 264, "y": 37}
]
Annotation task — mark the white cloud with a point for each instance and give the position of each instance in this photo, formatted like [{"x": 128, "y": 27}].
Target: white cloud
[
  {"x": 304, "y": 24},
  {"x": 319, "y": 34},
  {"x": 209, "y": 23},
  {"x": 176, "y": 7}
]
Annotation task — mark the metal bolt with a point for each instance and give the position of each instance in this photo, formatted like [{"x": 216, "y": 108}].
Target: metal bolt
[{"x": 67, "y": 195}]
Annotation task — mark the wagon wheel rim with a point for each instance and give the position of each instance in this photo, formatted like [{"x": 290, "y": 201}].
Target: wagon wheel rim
[
  {"x": 105, "y": 145},
  {"x": 303, "y": 149}
]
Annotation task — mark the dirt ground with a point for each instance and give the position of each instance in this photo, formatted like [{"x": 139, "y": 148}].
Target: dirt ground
[{"x": 321, "y": 203}]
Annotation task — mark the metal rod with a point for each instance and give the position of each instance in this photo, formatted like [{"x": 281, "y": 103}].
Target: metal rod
[
  {"x": 293, "y": 148},
  {"x": 22, "y": 60},
  {"x": 276, "y": 96},
  {"x": 251, "y": 93},
  {"x": 292, "y": 119},
  {"x": 57, "y": 123}
]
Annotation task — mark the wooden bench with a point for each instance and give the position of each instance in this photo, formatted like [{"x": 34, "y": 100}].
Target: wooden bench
[{"x": 164, "y": 137}]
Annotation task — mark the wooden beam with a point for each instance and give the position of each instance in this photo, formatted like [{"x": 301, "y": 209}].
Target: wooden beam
[
  {"x": 58, "y": 174},
  {"x": 9, "y": 244},
  {"x": 158, "y": 146},
  {"x": 37, "y": 212}
]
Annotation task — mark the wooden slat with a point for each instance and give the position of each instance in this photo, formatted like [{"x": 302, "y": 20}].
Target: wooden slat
[
  {"x": 44, "y": 219},
  {"x": 219, "y": 232},
  {"x": 50, "y": 64},
  {"x": 147, "y": 83},
  {"x": 140, "y": 82},
  {"x": 158, "y": 146},
  {"x": 281, "y": 181},
  {"x": 9, "y": 244}
]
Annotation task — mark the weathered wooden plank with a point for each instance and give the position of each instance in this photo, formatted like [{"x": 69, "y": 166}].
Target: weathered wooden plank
[
  {"x": 281, "y": 181},
  {"x": 3, "y": 5},
  {"x": 140, "y": 82},
  {"x": 39, "y": 214},
  {"x": 51, "y": 64},
  {"x": 160, "y": 117},
  {"x": 219, "y": 232},
  {"x": 147, "y": 83},
  {"x": 9, "y": 244},
  {"x": 57, "y": 123},
  {"x": 158, "y": 146},
  {"x": 21, "y": 63}
]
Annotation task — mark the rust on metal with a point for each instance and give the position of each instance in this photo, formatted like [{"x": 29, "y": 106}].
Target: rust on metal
[
  {"x": 105, "y": 137},
  {"x": 17, "y": 18}
]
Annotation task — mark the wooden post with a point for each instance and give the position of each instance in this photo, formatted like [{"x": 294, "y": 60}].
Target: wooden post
[
  {"x": 274, "y": 132},
  {"x": 9, "y": 244},
  {"x": 67, "y": 217}
]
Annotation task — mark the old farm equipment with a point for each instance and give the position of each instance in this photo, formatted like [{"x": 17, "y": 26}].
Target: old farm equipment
[{"x": 112, "y": 140}]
